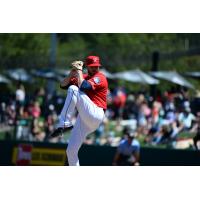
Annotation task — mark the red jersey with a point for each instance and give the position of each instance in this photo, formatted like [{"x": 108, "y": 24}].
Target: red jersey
[{"x": 99, "y": 91}]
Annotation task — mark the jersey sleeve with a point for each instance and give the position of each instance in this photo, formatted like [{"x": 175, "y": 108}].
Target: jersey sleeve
[
  {"x": 73, "y": 81},
  {"x": 97, "y": 81}
]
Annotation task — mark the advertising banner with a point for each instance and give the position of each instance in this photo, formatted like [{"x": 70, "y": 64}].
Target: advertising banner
[{"x": 26, "y": 154}]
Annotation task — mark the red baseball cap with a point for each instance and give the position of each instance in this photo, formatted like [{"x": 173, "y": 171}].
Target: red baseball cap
[{"x": 92, "y": 61}]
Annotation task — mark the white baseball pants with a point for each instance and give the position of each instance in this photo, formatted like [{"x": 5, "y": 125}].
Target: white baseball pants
[{"x": 88, "y": 120}]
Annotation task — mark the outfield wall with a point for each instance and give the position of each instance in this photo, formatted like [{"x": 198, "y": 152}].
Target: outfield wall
[{"x": 35, "y": 153}]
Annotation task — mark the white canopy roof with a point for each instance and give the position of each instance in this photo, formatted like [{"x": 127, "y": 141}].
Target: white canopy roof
[
  {"x": 193, "y": 74},
  {"x": 3, "y": 79},
  {"x": 173, "y": 77},
  {"x": 136, "y": 76},
  {"x": 19, "y": 75},
  {"x": 107, "y": 73}
]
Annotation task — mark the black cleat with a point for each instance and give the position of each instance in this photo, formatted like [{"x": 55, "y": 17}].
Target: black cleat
[{"x": 59, "y": 131}]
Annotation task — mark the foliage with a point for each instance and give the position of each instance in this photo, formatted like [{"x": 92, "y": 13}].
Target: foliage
[
  {"x": 24, "y": 50},
  {"x": 119, "y": 51}
]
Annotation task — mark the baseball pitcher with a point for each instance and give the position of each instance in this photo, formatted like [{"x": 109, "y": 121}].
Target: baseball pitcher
[{"x": 86, "y": 94}]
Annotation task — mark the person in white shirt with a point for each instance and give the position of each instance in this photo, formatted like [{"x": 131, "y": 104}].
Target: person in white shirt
[
  {"x": 20, "y": 95},
  {"x": 186, "y": 119}
]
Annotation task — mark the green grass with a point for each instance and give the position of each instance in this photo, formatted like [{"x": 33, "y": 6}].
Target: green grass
[{"x": 186, "y": 135}]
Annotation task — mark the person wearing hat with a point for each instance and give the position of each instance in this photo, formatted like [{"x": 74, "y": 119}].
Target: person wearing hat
[
  {"x": 87, "y": 95},
  {"x": 128, "y": 151}
]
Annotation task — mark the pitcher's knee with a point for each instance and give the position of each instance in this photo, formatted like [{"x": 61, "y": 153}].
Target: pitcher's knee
[{"x": 73, "y": 87}]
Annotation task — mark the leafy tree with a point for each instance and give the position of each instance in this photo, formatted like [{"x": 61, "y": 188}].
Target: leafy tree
[{"x": 24, "y": 50}]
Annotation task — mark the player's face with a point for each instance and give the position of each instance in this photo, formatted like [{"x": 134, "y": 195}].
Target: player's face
[
  {"x": 130, "y": 139},
  {"x": 92, "y": 70}
]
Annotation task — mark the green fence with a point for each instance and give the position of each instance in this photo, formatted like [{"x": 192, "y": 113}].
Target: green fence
[{"x": 17, "y": 152}]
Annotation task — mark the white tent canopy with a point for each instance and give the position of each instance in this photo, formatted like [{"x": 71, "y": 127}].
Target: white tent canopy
[
  {"x": 62, "y": 72},
  {"x": 193, "y": 74},
  {"x": 48, "y": 74},
  {"x": 173, "y": 77},
  {"x": 136, "y": 76},
  {"x": 3, "y": 79},
  {"x": 19, "y": 75},
  {"x": 107, "y": 73}
]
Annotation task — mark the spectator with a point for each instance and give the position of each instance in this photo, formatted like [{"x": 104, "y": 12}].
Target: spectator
[
  {"x": 20, "y": 99},
  {"x": 186, "y": 118},
  {"x": 130, "y": 109},
  {"x": 11, "y": 114},
  {"x": 2, "y": 113},
  {"x": 163, "y": 136},
  {"x": 167, "y": 135},
  {"x": 37, "y": 130},
  {"x": 50, "y": 120},
  {"x": 143, "y": 117},
  {"x": 23, "y": 126},
  {"x": 35, "y": 110},
  {"x": 195, "y": 103},
  {"x": 119, "y": 100},
  {"x": 175, "y": 131},
  {"x": 20, "y": 95},
  {"x": 196, "y": 129}
]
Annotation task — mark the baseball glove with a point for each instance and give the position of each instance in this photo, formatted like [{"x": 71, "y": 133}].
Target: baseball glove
[{"x": 77, "y": 65}]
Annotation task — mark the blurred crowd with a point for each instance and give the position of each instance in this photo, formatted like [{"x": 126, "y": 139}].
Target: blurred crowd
[
  {"x": 157, "y": 121},
  {"x": 30, "y": 117}
]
